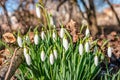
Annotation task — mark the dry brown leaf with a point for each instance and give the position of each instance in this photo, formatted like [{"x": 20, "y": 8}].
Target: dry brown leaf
[
  {"x": 9, "y": 37},
  {"x": 71, "y": 27},
  {"x": 31, "y": 36}
]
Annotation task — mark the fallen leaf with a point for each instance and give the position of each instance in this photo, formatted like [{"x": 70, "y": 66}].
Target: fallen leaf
[
  {"x": 31, "y": 36},
  {"x": 9, "y": 37}
]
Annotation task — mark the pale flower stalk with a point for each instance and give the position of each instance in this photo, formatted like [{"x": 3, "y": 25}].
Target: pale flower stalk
[
  {"x": 38, "y": 13},
  {"x": 87, "y": 32},
  {"x": 42, "y": 56},
  {"x": 19, "y": 41},
  {"x": 80, "y": 49},
  {"x": 55, "y": 53},
  {"x": 62, "y": 32},
  {"x": 42, "y": 35},
  {"x": 87, "y": 46},
  {"x": 109, "y": 51},
  {"x": 36, "y": 39},
  {"x": 51, "y": 59},
  {"x": 96, "y": 60},
  {"x": 65, "y": 43}
]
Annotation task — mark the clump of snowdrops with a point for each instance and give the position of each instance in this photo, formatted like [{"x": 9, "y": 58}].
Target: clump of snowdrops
[{"x": 54, "y": 56}]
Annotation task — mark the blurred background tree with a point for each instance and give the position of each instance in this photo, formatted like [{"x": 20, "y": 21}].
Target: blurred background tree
[{"x": 20, "y": 14}]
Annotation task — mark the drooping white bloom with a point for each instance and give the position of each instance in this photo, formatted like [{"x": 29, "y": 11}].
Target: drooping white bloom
[
  {"x": 28, "y": 59},
  {"x": 42, "y": 56},
  {"x": 25, "y": 51},
  {"x": 109, "y": 51},
  {"x": 54, "y": 36},
  {"x": 62, "y": 32},
  {"x": 42, "y": 35},
  {"x": 87, "y": 46},
  {"x": 19, "y": 41},
  {"x": 38, "y": 13},
  {"x": 96, "y": 60},
  {"x": 65, "y": 43},
  {"x": 51, "y": 21},
  {"x": 87, "y": 32},
  {"x": 36, "y": 39},
  {"x": 51, "y": 59},
  {"x": 80, "y": 49},
  {"x": 55, "y": 53}
]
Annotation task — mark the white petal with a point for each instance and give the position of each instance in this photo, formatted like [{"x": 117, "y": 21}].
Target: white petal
[
  {"x": 36, "y": 39},
  {"x": 87, "y": 46},
  {"x": 42, "y": 56},
  {"x": 54, "y": 36},
  {"x": 65, "y": 44},
  {"x": 80, "y": 49},
  {"x": 55, "y": 53},
  {"x": 19, "y": 40},
  {"x": 28, "y": 59},
  {"x": 38, "y": 13},
  {"x": 51, "y": 59},
  {"x": 87, "y": 32},
  {"x": 25, "y": 51},
  {"x": 109, "y": 52},
  {"x": 51, "y": 20},
  {"x": 96, "y": 60},
  {"x": 42, "y": 35},
  {"x": 62, "y": 32}
]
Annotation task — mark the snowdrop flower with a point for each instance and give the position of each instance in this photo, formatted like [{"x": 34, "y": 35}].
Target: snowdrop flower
[
  {"x": 62, "y": 32},
  {"x": 96, "y": 60},
  {"x": 80, "y": 49},
  {"x": 25, "y": 50},
  {"x": 42, "y": 56},
  {"x": 36, "y": 38},
  {"x": 55, "y": 53},
  {"x": 51, "y": 59},
  {"x": 65, "y": 43},
  {"x": 87, "y": 46},
  {"x": 28, "y": 59},
  {"x": 87, "y": 32},
  {"x": 51, "y": 20},
  {"x": 19, "y": 41},
  {"x": 54, "y": 35},
  {"x": 109, "y": 51},
  {"x": 42, "y": 35},
  {"x": 38, "y": 13}
]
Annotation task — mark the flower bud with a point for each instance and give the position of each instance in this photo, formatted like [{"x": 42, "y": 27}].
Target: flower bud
[
  {"x": 62, "y": 32},
  {"x": 87, "y": 32},
  {"x": 87, "y": 46},
  {"x": 38, "y": 13},
  {"x": 42, "y": 56},
  {"x": 19, "y": 41},
  {"x": 109, "y": 51},
  {"x": 36, "y": 39},
  {"x": 28, "y": 59},
  {"x": 51, "y": 59},
  {"x": 54, "y": 35},
  {"x": 80, "y": 49},
  {"x": 51, "y": 20},
  {"x": 96, "y": 60},
  {"x": 55, "y": 53},
  {"x": 65, "y": 43},
  {"x": 25, "y": 50},
  {"x": 42, "y": 35}
]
